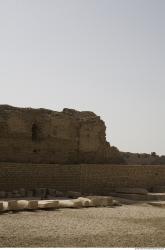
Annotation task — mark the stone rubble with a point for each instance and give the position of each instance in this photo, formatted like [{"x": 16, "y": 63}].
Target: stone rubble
[
  {"x": 39, "y": 199},
  {"x": 80, "y": 202}
]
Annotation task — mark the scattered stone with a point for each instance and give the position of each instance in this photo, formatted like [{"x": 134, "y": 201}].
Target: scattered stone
[
  {"x": 101, "y": 201},
  {"x": 22, "y": 204},
  {"x": 90, "y": 201},
  {"x": 70, "y": 204},
  {"x": 48, "y": 204},
  {"x": 5, "y": 205},
  {"x": 32, "y": 205},
  {"x": 25, "y": 204},
  {"x": 86, "y": 202},
  {"x": 12, "y": 205}
]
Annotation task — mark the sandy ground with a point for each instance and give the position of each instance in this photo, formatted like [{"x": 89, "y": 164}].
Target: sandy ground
[{"x": 139, "y": 225}]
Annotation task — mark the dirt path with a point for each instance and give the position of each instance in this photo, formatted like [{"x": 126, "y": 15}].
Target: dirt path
[{"x": 125, "y": 226}]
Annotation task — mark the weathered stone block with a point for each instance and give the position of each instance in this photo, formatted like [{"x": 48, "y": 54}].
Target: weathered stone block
[
  {"x": 12, "y": 205},
  {"x": 48, "y": 204},
  {"x": 70, "y": 204},
  {"x": 22, "y": 204},
  {"x": 26, "y": 204},
  {"x": 86, "y": 202},
  {"x": 32, "y": 205},
  {"x": 101, "y": 201}
]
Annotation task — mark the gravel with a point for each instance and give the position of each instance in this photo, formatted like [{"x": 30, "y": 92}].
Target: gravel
[{"x": 137, "y": 225}]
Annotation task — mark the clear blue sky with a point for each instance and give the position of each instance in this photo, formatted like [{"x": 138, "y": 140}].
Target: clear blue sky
[{"x": 107, "y": 56}]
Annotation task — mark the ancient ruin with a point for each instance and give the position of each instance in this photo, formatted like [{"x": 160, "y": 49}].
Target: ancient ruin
[
  {"x": 46, "y": 154},
  {"x": 44, "y": 136}
]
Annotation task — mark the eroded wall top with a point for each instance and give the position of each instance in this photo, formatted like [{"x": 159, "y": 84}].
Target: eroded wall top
[{"x": 45, "y": 136}]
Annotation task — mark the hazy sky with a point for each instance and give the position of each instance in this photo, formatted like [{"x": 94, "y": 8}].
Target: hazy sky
[{"x": 107, "y": 56}]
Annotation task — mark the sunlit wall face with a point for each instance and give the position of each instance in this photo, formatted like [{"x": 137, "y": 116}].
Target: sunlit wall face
[{"x": 101, "y": 55}]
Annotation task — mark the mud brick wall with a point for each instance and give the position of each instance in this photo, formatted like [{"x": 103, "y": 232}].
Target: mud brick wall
[
  {"x": 29, "y": 176},
  {"x": 101, "y": 179},
  {"x": 87, "y": 178}
]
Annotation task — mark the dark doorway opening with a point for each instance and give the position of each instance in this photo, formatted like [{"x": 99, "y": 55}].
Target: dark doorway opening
[{"x": 35, "y": 132}]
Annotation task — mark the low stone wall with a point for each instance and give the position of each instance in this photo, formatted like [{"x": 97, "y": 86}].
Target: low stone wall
[
  {"x": 103, "y": 178},
  {"x": 86, "y": 178}
]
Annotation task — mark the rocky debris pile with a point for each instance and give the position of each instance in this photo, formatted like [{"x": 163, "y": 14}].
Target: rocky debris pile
[
  {"x": 80, "y": 202},
  {"x": 45, "y": 198}
]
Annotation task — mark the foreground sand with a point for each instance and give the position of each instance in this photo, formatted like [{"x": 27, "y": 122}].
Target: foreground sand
[{"x": 139, "y": 225}]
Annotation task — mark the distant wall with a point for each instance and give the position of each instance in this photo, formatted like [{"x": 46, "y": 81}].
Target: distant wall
[
  {"x": 87, "y": 178},
  {"x": 142, "y": 158}
]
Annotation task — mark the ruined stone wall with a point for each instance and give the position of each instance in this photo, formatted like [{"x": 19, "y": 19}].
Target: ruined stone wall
[
  {"x": 100, "y": 178},
  {"x": 45, "y": 136},
  {"x": 87, "y": 178},
  {"x": 142, "y": 159},
  {"x": 16, "y": 175}
]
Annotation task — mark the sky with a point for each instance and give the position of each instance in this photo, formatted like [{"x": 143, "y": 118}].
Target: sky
[{"x": 105, "y": 56}]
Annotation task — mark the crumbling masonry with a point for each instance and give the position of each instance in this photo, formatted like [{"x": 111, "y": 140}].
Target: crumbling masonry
[{"x": 44, "y": 136}]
